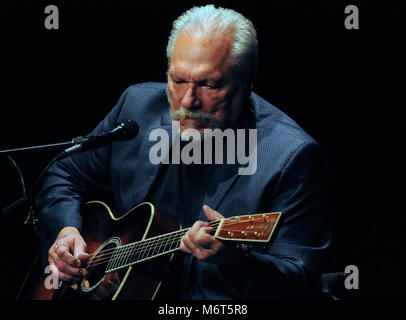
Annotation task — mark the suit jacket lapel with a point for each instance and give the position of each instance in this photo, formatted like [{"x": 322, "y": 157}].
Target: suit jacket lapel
[
  {"x": 223, "y": 178},
  {"x": 149, "y": 171}
]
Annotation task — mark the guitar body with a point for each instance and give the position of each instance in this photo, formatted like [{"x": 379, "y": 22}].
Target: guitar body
[{"x": 103, "y": 232}]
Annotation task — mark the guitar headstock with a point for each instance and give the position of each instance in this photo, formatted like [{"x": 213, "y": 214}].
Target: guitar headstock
[{"x": 255, "y": 227}]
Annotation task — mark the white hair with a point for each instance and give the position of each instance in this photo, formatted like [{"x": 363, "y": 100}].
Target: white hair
[{"x": 211, "y": 20}]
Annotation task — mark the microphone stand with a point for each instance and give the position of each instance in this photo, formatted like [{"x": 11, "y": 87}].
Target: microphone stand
[
  {"x": 26, "y": 199},
  {"x": 124, "y": 131},
  {"x": 38, "y": 147}
]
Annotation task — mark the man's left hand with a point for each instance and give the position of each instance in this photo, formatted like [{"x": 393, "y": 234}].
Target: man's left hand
[{"x": 199, "y": 242}]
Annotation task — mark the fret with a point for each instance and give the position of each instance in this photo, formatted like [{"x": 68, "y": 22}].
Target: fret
[
  {"x": 154, "y": 249},
  {"x": 120, "y": 261},
  {"x": 127, "y": 254},
  {"x": 137, "y": 252},
  {"x": 121, "y": 256},
  {"x": 113, "y": 260},
  {"x": 149, "y": 247},
  {"x": 110, "y": 262},
  {"x": 130, "y": 254},
  {"x": 143, "y": 250},
  {"x": 165, "y": 248}
]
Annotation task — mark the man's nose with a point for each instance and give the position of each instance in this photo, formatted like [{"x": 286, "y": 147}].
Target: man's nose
[{"x": 190, "y": 99}]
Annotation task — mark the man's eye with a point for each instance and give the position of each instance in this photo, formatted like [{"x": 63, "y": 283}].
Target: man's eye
[{"x": 211, "y": 86}]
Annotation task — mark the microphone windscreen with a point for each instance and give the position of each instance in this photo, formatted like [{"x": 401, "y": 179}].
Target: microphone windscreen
[{"x": 129, "y": 129}]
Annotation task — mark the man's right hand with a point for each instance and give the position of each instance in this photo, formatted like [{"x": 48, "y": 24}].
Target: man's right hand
[{"x": 67, "y": 254}]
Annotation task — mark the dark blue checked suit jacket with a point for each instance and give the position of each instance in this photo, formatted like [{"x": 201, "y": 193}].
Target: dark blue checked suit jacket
[{"x": 290, "y": 177}]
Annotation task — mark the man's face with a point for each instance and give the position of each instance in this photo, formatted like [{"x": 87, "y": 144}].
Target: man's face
[{"x": 202, "y": 90}]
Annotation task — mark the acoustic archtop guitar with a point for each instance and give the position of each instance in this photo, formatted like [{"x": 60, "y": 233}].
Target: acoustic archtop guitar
[{"x": 130, "y": 255}]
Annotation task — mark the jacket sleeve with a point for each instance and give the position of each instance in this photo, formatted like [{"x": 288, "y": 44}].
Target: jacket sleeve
[
  {"x": 290, "y": 266},
  {"x": 63, "y": 186}
]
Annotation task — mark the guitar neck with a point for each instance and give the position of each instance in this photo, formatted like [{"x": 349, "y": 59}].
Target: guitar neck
[
  {"x": 150, "y": 248},
  {"x": 256, "y": 228}
]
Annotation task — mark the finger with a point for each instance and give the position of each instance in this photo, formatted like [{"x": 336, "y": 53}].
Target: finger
[
  {"x": 69, "y": 279},
  {"x": 199, "y": 231},
  {"x": 183, "y": 247},
  {"x": 203, "y": 238},
  {"x": 62, "y": 276},
  {"x": 62, "y": 252},
  {"x": 212, "y": 214},
  {"x": 206, "y": 240},
  {"x": 200, "y": 247},
  {"x": 53, "y": 251},
  {"x": 187, "y": 244},
  {"x": 64, "y": 263},
  {"x": 80, "y": 248},
  {"x": 79, "y": 258},
  {"x": 196, "y": 227},
  {"x": 189, "y": 247},
  {"x": 53, "y": 269},
  {"x": 72, "y": 250},
  {"x": 69, "y": 269},
  {"x": 81, "y": 255}
]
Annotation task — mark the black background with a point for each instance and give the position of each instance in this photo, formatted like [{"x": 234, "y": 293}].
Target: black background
[{"x": 342, "y": 86}]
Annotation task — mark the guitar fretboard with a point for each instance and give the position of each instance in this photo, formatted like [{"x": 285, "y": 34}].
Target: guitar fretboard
[{"x": 129, "y": 254}]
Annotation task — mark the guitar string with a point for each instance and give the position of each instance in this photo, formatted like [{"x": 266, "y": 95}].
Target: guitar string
[
  {"x": 142, "y": 242},
  {"x": 143, "y": 252},
  {"x": 157, "y": 238},
  {"x": 226, "y": 223},
  {"x": 171, "y": 238},
  {"x": 151, "y": 242},
  {"x": 129, "y": 250}
]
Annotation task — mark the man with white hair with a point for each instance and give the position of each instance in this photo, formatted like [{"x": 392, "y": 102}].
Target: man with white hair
[{"x": 212, "y": 59}]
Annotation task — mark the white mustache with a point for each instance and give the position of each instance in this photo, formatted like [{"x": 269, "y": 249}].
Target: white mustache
[{"x": 183, "y": 113}]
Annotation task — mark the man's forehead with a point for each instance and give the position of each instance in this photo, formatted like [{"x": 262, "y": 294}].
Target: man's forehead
[
  {"x": 201, "y": 73},
  {"x": 200, "y": 53}
]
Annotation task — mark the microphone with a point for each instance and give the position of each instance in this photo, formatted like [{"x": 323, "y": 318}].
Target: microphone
[{"x": 126, "y": 130}]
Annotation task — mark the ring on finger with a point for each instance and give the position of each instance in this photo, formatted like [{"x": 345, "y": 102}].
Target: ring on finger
[{"x": 58, "y": 246}]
